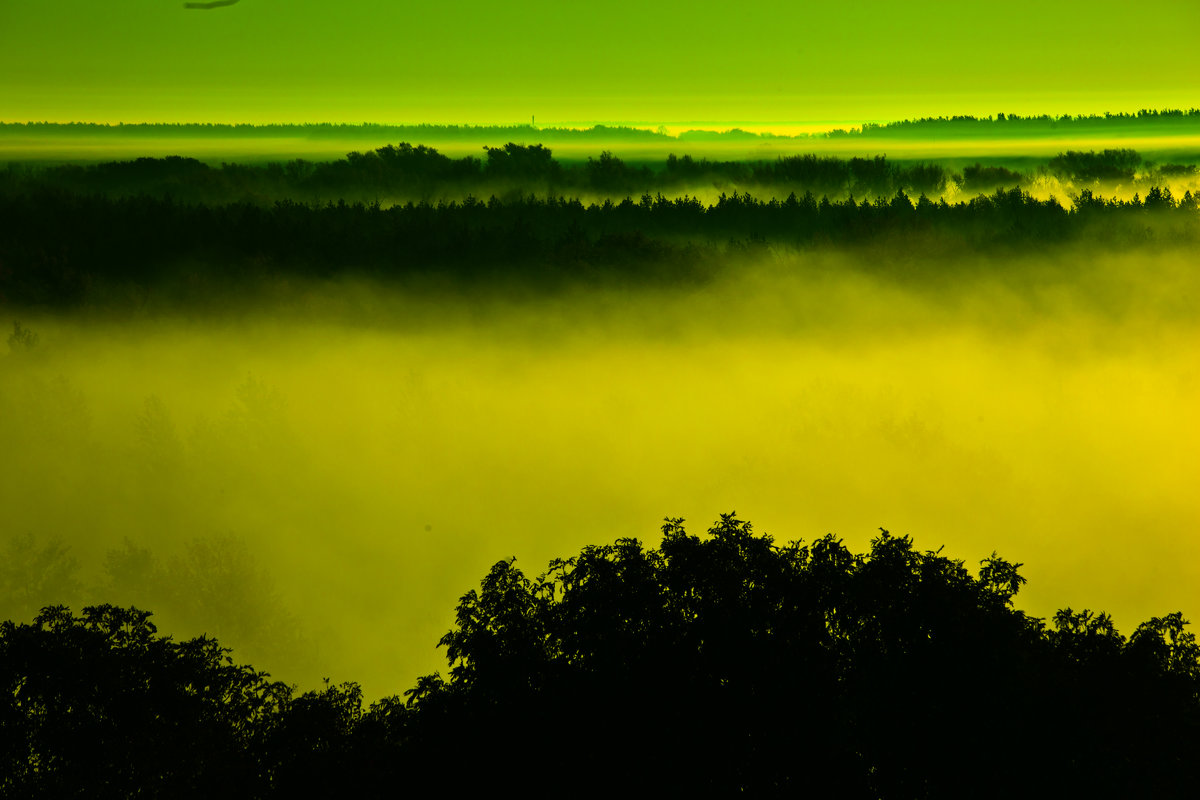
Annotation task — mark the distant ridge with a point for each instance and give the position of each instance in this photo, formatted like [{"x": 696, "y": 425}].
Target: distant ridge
[
  {"x": 1143, "y": 122},
  {"x": 366, "y": 130}
]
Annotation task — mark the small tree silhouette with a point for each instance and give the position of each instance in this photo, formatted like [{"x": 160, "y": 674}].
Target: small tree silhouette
[{"x": 22, "y": 338}]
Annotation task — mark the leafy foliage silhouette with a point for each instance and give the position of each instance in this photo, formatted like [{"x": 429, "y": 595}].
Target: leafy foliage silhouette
[
  {"x": 98, "y": 705},
  {"x": 732, "y": 663},
  {"x": 714, "y": 664}
]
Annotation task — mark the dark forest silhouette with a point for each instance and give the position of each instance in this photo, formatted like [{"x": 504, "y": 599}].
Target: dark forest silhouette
[
  {"x": 418, "y": 172},
  {"x": 712, "y": 664},
  {"x": 63, "y": 249},
  {"x": 1014, "y": 125}
]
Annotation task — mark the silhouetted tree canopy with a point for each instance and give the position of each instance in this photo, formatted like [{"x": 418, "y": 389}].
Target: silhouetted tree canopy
[
  {"x": 402, "y": 172},
  {"x": 1110, "y": 165},
  {"x": 980, "y": 178},
  {"x": 730, "y": 663},
  {"x": 98, "y": 705},
  {"x": 65, "y": 249},
  {"x": 709, "y": 665},
  {"x": 516, "y": 161}
]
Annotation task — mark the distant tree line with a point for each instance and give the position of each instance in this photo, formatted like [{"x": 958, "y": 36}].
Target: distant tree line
[
  {"x": 405, "y": 171},
  {"x": 710, "y": 665},
  {"x": 327, "y": 130},
  {"x": 1145, "y": 121},
  {"x": 64, "y": 249}
]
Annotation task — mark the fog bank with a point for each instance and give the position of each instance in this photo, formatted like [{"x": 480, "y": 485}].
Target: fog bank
[{"x": 317, "y": 481}]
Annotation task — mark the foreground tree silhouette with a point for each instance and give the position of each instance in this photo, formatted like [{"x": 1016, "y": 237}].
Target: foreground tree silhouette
[
  {"x": 710, "y": 665},
  {"x": 99, "y": 705},
  {"x": 730, "y": 663}
]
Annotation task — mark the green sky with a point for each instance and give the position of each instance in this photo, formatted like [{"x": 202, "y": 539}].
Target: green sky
[{"x": 769, "y": 60}]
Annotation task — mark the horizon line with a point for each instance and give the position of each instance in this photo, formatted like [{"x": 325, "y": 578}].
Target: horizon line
[{"x": 577, "y": 124}]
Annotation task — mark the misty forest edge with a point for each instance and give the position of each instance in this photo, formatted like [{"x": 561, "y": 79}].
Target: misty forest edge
[{"x": 90, "y": 235}]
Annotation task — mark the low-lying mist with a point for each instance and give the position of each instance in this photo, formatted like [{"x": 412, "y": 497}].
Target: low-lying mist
[{"x": 318, "y": 479}]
